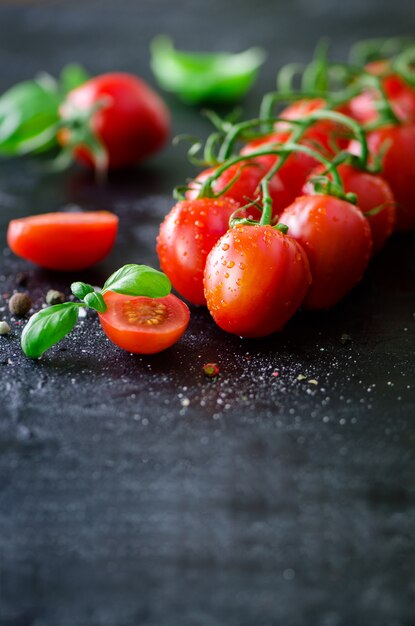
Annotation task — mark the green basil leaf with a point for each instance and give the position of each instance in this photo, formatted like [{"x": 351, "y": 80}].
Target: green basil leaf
[
  {"x": 80, "y": 290},
  {"x": 95, "y": 301},
  {"x": 28, "y": 116},
  {"x": 201, "y": 77},
  {"x": 72, "y": 76},
  {"x": 47, "y": 327},
  {"x": 139, "y": 280}
]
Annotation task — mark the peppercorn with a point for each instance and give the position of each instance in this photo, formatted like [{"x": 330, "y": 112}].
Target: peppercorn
[
  {"x": 4, "y": 328},
  {"x": 20, "y": 304},
  {"x": 54, "y": 297}
]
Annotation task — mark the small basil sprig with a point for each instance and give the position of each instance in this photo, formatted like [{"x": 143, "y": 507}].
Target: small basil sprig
[{"x": 47, "y": 327}]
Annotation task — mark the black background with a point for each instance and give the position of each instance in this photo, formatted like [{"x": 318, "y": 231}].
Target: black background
[{"x": 133, "y": 491}]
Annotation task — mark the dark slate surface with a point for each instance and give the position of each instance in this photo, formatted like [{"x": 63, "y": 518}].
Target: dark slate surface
[{"x": 133, "y": 492}]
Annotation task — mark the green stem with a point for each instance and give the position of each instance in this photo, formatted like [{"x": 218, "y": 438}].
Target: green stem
[
  {"x": 403, "y": 66},
  {"x": 284, "y": 152},
  {"x": 288, "y": 149}
]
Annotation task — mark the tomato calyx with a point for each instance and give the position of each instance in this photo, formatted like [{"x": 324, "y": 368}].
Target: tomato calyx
[{"x": 76, "y": 132}]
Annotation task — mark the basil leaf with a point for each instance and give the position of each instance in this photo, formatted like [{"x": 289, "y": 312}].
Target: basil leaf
[
  {"x": 28, "y": 116},
  {"x": 72, "y": 76},
  {"x": 80, "y": 290},
  {"x": 138, "y": 280},
  {"x": 95, "y": 301},
  {"x": 200, "y": 77},
  {"x": 47, "y": 327}
]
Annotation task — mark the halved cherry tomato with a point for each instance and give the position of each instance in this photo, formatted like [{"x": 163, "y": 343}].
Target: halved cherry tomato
[
  {"x": 129, "y": 119},
  {"x": 336, "y": 238},
  {"x": 255, "y": 279},
  {"x": 397, "y": 145},
  {"x": 364, "y": 107},
  {"x": 144, "y": 325},
  {"x": 63, "y": 241},
  {"x": 186, "y": 237},
  {"x": 373, "y": 192}
]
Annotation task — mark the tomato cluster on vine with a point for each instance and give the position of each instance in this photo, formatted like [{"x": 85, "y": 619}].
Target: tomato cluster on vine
[{"x": 291, "y": 207}]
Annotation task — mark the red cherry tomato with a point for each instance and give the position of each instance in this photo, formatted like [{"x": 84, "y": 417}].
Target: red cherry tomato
[
  {"x": 287, "y": 183},
  {"x": 255, "y": 280},
  {"x": 144, "y": 325},
  {"x": 186, "y": 237},
  {"x": 132, "y": 123},
  {"x": 397, "y": 144},
  {"x": 63, "y": 241},
  {"x": 337, "y": 241},
  {"x": 372, "y": 192},
  {"x": 400, "y": 95},
  {"x": 247, "y": 176},
  {"x": 326, "y": 136}
]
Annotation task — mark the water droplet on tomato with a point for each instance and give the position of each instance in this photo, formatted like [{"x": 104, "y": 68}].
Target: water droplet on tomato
[
  {"x": 231, "y": 264},
  {"x": 225, "y": 246}
]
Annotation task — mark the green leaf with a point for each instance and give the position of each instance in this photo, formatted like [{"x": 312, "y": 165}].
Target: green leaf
[
  {"x": 95, "y": 301},
  {"x": 47, "y": 327},
  {"x": 201, "y": 77},
  {"x": 29, "y": 114},
  {"x": 80, "y": 290},
  {"x": 138, "y": 280},
  {"x": 72, "y": 76}
]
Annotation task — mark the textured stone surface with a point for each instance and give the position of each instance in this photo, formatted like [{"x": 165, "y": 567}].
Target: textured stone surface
[{"x": 134, "y": 491}]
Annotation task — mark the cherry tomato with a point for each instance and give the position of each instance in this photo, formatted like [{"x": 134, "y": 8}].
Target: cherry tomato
[
  {"x": 287, "y": 183},
  {"x": 336, "y": 237},
  {"x": 399, "y": 93},
  {"x": 186, "y": 237},
  {"x": 63, "y": 241},
  {"x": 144, "y": 325},
  {"x": 397, "y": 144},
  {"x": 372, "y": 192},
  {"x": 132, "y": 123},
  {"x": 326, "y": 136},
  {"x": 247, "y": 176},
  {"x": 255, "y": 279}
]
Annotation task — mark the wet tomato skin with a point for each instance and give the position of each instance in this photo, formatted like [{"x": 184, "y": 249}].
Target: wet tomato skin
[
  {"x": 186, "y": 237},
  {"x": 63, "y": 241},
  {"x": 372, "y": 192},
  {"x": 144, "y": 325},
  {"x": 132, "y": 124},
  {"x": 336, "y": 238},
  {"x": 255, "y": 280}
]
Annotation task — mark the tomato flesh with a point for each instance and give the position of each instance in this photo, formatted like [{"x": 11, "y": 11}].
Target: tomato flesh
[
  {"x": 186, "y": 237},
  {"x": 132, "y": 124},
  {"x": 63, "y": 241},
  {"x": 144, "y": 325},
  {"x": 255, "y": 279},
  {"x": 336, "y": 238}
]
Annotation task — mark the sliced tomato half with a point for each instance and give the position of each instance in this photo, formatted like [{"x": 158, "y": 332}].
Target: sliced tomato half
[
  {"x": 144, "y": 325},
  {"x": 64, "y": 241}
]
